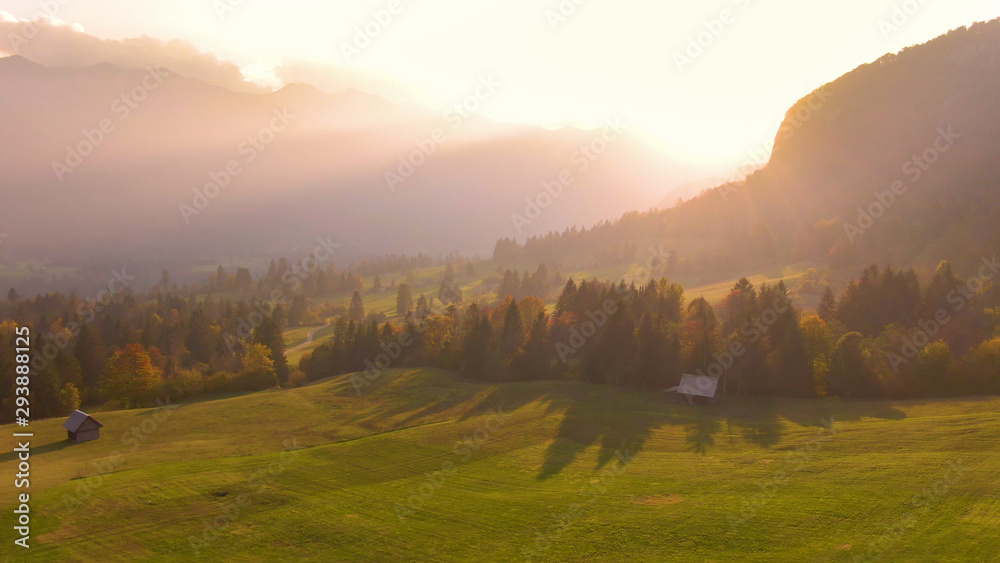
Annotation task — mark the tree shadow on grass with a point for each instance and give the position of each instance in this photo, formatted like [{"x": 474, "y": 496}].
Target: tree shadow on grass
[
  {"x": 508, "y": 398},
  {"x": 600, "y": 414},
  {"x": 622, "y": 421},
  {"x": 39, "y": 450},
  {"x": 425, "y": 394}
]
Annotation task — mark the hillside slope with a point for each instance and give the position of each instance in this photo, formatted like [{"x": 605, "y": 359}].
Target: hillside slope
[{"x": 897, "y": 161}]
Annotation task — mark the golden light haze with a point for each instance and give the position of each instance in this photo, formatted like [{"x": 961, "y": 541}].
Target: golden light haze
[{"x": 569, "y": 62}]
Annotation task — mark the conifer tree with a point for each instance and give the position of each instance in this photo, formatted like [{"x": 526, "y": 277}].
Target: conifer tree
[
  {"x": 356, "y": 310},
  {"x": 827, "y": 307},
  {"x": 404, "y": 300}
]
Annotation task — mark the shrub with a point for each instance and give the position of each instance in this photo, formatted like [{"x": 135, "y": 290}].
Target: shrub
[{"x": 297, "y": 378}]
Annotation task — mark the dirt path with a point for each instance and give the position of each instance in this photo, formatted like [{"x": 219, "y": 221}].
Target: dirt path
[{"x": 309, "y": 339}]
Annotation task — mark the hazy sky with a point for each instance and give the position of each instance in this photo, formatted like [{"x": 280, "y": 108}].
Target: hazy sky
[{"x": 602, "y": 58}]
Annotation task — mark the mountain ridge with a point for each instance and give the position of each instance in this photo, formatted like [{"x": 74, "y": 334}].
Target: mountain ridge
[
  {"x": 838, "y": 148},
  {"x": 334, "y": 157}
]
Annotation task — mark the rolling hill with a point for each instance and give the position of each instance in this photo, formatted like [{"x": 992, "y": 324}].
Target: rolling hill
[{"x": 421, "y": 466}]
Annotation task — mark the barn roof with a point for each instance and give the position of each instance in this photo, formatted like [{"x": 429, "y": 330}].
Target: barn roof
[
  {"x": 700, "y": 385},
  {"x": 77, "y": 419}
]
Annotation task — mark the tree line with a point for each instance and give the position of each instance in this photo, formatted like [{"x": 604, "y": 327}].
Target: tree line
[
  {"x": 884, "y": 336},
  {"x": 128, "y": 350}
]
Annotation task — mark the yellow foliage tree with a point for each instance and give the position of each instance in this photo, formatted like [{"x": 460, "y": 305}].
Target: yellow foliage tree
[
  {"x": 258, "y": 368},
  {"x": 816, "y": 339},
  {"x": 130, "y": 376}
]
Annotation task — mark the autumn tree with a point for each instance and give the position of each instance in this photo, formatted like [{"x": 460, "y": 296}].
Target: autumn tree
[
  {"x": 816, "y": 339},
  {"x": 130, "y": 377},
  {"x": 269, "y": 333},
  {"x": 258, "y": 369}
]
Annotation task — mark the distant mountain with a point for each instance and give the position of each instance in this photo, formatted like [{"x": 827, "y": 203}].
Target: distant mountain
[
  {"x": 898, "y": 161},
  {"x": 688, "y": 190},
  {"x": 337, "y": 168}
]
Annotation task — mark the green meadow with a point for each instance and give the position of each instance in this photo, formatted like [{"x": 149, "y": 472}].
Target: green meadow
[{"x": 422, "y": 465}]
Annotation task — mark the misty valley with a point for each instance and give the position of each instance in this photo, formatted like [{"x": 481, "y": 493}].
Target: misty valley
[{"x": 583, "y": 281}]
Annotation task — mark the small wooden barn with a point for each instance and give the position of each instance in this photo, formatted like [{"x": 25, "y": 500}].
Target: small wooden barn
[
  {"x": 82, "y": 427},
  {"x": 695, "y": 389}
]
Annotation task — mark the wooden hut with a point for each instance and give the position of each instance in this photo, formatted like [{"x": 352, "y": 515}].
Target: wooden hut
[
  {"x": 82, "y": 427},
  {"x": 695, "y": 389}
]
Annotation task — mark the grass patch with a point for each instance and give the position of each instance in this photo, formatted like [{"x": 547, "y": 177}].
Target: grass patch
[{"x": 745, "y": 480}]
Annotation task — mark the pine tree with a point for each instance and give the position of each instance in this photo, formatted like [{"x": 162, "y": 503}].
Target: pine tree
[
  {"x": 404, "y": 301},
  {"x": 356, "y": 311},
  {"x": 739, "y": 307},
  {"x": 827, "y": 307},
  {"x": 199, "y": 337},
  {"x": 935, "y": 295},
  {"x": 220, "y": 279},
  {"x": 510, "y": 285},
  {"x": 651, "y": 354},
  {"x": 269, "y": 333},
  {"x": 565, "y": 301},
  {"x": 475, "y": 344},
  {"x": 12, "y": 295},
  {"x": 377, "y": 283},
  {"x": 423, "y": 308},
  {"x": 849, "y": 374},
  {"x": 534, "y": 361},
  {"x": 615, "y": 350},
  {"x": 165, "y": 283},
  {"x": 90, "y": 354},
  {"x": 297, "y": 311},
  {"x": 511, "y": 335},
  {"x": 449, "y": 292},
  {"x": 45, "y": 391},
  {"x": 702, "y": 334}
]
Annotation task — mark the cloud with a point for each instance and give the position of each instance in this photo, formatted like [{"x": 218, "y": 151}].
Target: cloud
[{"x": 52, "y": 42}]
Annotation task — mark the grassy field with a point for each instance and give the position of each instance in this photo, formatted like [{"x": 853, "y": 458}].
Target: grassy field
[
  {"x": 24, "y": 269},
  {"x": 296, "y": 336},
  {"x": 415, "y": 468},
  {"x": 296, "y": 344},
  {"x": 716, "y": 292}
]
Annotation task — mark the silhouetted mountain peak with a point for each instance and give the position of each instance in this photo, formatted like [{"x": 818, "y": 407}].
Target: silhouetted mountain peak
[{"x": 17, "y": 63}]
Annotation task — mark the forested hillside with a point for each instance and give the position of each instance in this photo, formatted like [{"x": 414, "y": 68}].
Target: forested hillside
[{"x": 895, "y": 162}]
